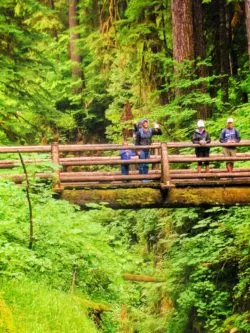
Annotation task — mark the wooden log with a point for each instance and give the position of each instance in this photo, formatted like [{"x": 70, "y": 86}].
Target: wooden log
[
  {"x": 20, "y": 178},
  {"x": 242, "y": 143},
  {"x": 211, "y": 155},
  {"x": 111, "y": 185},
  {"x": 105, "y": 161},
  {"x": 74, "y": 176},
  {"x": 13, "y": 163},
  {"x": 165, "y": 169},
  {"x": 212, "y": 175},
  {"x": 180, "y": 171},
  {"x": 55, "y": 156},
  {"x": 114, "y": 173},
  {"x": 141, "y": 278},
  {"x": 25, "y": 149},
  {"x": 122, "y": 198},
  {"x": 112, "y": 147},
  {"x": 210, "y": 182},
  {"x": 102, "y": 147},
  {"x": 183, "y": 159}
]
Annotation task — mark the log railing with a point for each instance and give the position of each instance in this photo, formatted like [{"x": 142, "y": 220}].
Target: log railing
[{"x": 94, "y": 165}]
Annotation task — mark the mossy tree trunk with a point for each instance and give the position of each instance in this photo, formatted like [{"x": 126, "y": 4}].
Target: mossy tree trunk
[
  {"x": 247, "y": 8},
  {"x": 77, "y": 72}
]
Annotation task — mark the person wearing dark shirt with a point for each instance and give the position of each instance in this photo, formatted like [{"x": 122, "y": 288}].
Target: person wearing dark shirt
[
  {"x": 126, "y": 155},
  {"x": 144, "y": 138},
  {"x": 229, "y": 135},
  {"x": 201, "y": 137}
]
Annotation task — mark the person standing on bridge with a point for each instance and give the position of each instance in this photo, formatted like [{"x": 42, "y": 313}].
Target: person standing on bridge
[
  {"x": 126, "y": 155},
  {"x": 201, "y": 137},
  {"x": 230, "y": 135},
  {"x": 144, "y": 138}
]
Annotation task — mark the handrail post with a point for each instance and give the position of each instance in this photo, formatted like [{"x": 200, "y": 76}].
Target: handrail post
[
  {"x": 165, "y": 168},
  {"x": 55, "y": 156},
  {"x": 156, "y": 152}
]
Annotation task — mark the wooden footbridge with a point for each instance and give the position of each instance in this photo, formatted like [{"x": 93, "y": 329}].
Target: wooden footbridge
[{"x": 91, "y": 173}]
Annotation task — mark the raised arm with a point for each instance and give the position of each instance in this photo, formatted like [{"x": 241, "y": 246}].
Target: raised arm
[{"x": 156, "y": 131}]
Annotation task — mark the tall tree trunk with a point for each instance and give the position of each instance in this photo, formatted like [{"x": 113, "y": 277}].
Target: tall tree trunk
[
  {"x": 198, "y": 30},
  {"x": 77, "y": 73},
  {"x": 126, "y": 116},
  {"x": 223, "y": 49},
  {"x": 183, "y": 46},
  {"x": 203, "y": 111},
  {"x": 247, "y": 7},
  {"x": 188, "y": 40},
  {"x": 52, "y": 4},
  {"x": 233, "y": 17}
]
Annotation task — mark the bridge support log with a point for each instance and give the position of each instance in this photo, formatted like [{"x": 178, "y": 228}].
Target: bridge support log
[{"x": 152, "y": 198}]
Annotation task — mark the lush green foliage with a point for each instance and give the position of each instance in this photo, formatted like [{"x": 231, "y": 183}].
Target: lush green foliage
[
  {"x": 209, "y": 265},
  {"x": 37, "y": 308},
  {"x": 201, "y": 257}
]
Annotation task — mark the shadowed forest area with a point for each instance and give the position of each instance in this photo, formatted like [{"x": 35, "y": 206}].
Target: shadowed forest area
[{"x": 85, "y": 71}]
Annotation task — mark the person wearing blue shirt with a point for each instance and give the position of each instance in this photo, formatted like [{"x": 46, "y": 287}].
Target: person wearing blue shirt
[
  {"x": 126, "y": 155},
  {"x": 229, "y": 135},
  {"x": 144, "y": 138}
]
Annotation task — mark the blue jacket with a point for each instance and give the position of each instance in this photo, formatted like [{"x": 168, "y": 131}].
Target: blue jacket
[
  {"x": 126, "y": 154},
  {"x": 229, "y": 134}
]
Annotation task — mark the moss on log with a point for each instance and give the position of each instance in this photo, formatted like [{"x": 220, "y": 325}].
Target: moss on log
[{"x": 151, "y": 197}]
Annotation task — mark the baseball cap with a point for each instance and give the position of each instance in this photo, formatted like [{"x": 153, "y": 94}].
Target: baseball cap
[
  {"x": 200, "y": 123},
  {"x": 230, "y": 120}
]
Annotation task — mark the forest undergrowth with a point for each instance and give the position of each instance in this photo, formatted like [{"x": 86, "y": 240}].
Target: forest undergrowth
[{"x": 73, "y": 278}]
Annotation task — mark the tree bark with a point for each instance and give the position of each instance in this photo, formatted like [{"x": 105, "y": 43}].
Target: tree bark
[
  {"x": 183, "y": 46},
  {"x": 247, "y": 8},
  {"x": 198, "y": 30},
  {"x": 223, "y": 49},
  {"x": 77, "y": 73},
  {"x": 125, "y": 117},
  {"x": 52, "y": 4},
  {"x": 203, "y": 111}
]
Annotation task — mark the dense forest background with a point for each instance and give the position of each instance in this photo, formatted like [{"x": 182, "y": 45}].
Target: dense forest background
[{"x": 85, "y": 71}]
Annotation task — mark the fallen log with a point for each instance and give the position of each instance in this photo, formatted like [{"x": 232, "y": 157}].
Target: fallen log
[{"x": 141, "y": 278}]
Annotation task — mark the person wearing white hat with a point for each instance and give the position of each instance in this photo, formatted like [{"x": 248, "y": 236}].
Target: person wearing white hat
[
  {"x": 229, "y": 135},
  {"x": 201, "y": 137}
]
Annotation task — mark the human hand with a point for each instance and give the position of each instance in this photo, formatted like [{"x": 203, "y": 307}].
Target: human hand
[
  {"x": 156, "y": 125},
  {"x": 202, "y": 142}
]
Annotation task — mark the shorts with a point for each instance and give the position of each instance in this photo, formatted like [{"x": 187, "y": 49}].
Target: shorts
[
  {"x": 202, "y": 152},
  {"x": 229, "y": 152}
]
